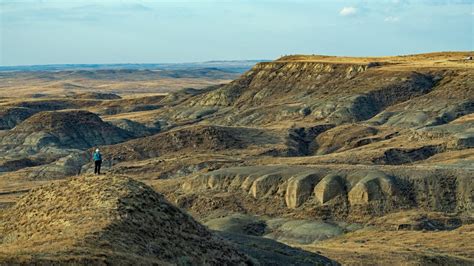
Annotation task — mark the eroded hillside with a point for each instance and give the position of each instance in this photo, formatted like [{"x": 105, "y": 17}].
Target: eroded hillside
[{"x": 310, "y": 151}]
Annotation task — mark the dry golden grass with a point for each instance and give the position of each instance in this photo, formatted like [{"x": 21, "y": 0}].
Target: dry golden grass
[
  {"x": 140, "y": 116},
  {"x": 27, "y": 88},
  {"x": 382, "y": 247},
  {"x": 114, "y": 217},
  {"x": 464, "y": 119},
  {"x": 14, "y": 185},
  {"x": 434, "y": 60}
]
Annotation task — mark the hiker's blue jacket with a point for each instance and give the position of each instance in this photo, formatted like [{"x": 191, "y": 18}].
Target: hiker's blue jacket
[{"x": 97, "y": 156}]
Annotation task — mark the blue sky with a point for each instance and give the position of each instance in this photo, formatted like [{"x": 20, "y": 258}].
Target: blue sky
[{"x": 132, "y": 31}]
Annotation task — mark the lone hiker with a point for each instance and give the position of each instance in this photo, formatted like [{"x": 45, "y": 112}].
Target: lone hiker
[{"x": 97, "y": 157}]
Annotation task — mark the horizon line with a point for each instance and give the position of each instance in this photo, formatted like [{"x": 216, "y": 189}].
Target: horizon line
[
  {"x": 129, "y": 63},
  {"x": 238, "y": 60}
]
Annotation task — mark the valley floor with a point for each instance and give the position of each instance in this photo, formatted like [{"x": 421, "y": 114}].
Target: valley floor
[{"x": 382, "y": 247}]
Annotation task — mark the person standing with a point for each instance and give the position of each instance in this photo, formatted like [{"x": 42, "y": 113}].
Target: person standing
[{"x": 97, "y": 157}]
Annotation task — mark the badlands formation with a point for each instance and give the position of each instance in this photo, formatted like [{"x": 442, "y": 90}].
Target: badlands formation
[{"x": 302, "y": 160}]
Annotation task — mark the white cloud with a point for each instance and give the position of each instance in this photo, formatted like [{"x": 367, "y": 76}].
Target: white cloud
[
  {"x": 392, "y": 19},
  {"x": 348, "y": 11}
]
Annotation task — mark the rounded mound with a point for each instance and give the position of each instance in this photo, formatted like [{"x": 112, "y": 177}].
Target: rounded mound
[
  {"x": 107, "y": 219},
  {"x": 186, "y": 139},
  {"x": 69, "y": 129}
]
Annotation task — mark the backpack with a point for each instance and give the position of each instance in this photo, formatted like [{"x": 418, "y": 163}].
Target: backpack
[{"x": 97, "y": 156}]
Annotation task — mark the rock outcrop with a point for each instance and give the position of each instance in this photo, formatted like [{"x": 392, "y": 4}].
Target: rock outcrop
[
  {"x": 314, "y": 91},
  {"x": 299, "y": 189},
  {"x": 267, "y": 184},
  {"x": 340, "y": 192},
  {"x": 329, "y": 187},
  {"x": 374, "y": 186}
]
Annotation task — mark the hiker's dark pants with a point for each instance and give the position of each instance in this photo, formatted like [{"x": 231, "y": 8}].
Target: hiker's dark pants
[{"x": 97, "y": 167}]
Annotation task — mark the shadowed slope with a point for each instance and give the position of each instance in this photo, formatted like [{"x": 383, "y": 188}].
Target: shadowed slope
[{"x": 67, "y": 129}]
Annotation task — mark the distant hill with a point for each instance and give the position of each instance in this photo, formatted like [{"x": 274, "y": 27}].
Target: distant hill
[
  {"x": 238, "y": 66},
  {"x": 123, "y": 74}
]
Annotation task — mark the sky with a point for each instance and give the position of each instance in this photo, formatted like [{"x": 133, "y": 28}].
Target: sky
[{"x": 138, "y": 31}]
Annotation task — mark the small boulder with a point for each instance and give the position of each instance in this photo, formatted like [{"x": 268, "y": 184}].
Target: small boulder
[
  {"x": 264, "y": 185},
  {"x": 374, "y": 186},
  {"x": 217, "y": 181},
  {"x": 248, "y": 182},
  {"x": 329, "y": 187},
  {"x": 299, "y": 189}
]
